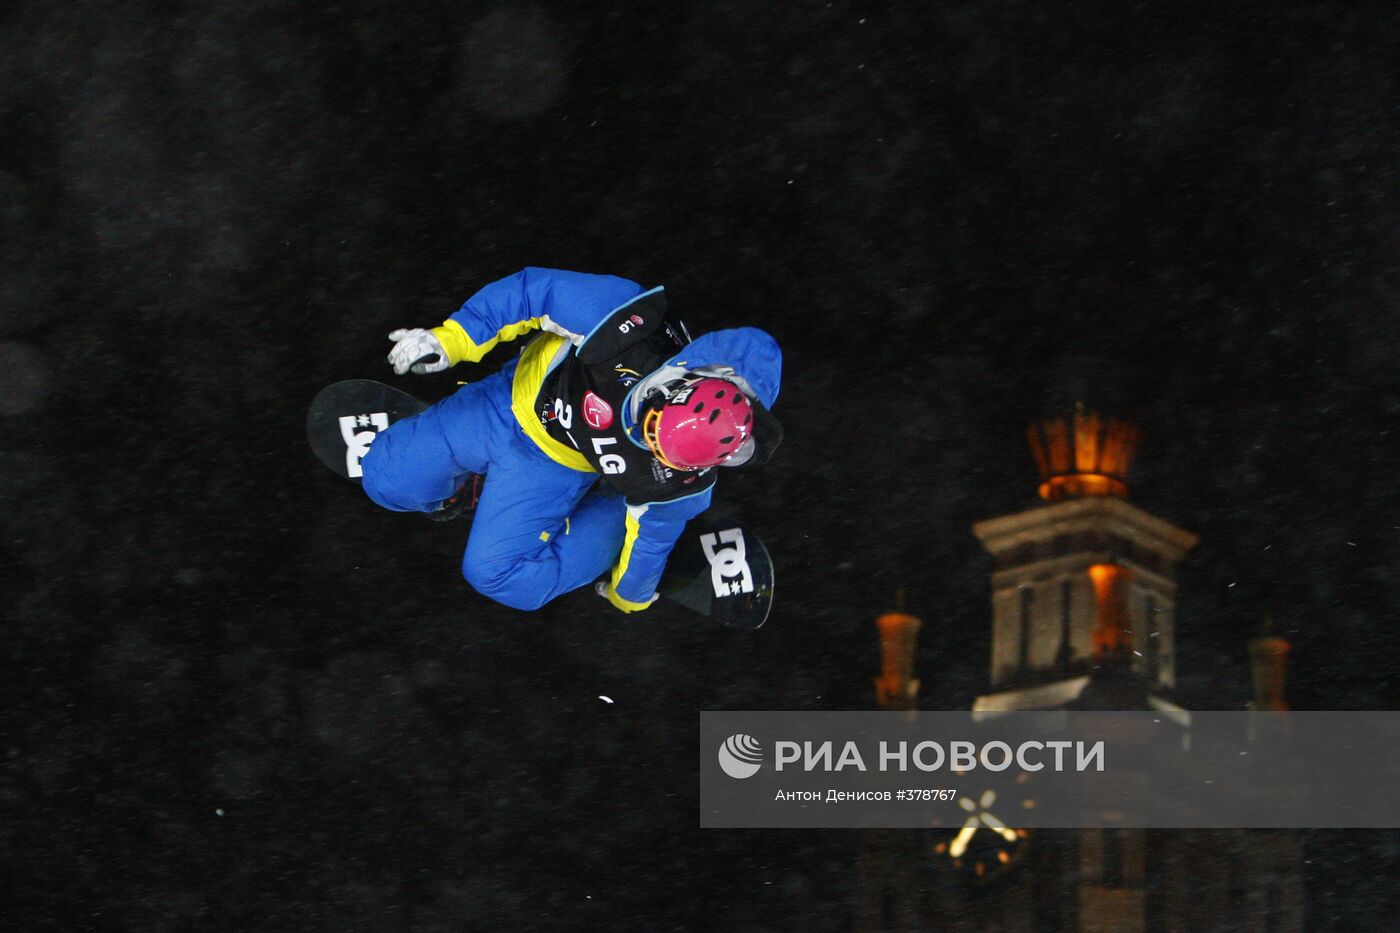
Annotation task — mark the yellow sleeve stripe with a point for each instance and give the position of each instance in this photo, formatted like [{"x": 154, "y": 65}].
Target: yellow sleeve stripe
[
  {"x": 462, "y": 349},
  {"x": 455, "y": 341},
  {"x": 634, "y": 528},
  {"x": 626, "y": 605}
]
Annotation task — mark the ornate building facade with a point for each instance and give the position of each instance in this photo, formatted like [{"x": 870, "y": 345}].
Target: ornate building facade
[{"x": 1083, "y": 616}]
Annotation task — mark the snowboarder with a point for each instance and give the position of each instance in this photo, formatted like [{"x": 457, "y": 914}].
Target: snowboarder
[{"x": 612, "y": 385}]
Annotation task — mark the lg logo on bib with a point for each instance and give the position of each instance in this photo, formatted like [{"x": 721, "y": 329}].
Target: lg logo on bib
[
  {"x": 596, "y": 412},
  {"x": 729, "y": 567}
]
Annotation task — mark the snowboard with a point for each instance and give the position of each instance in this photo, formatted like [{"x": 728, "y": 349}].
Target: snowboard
[{"x": 718, "y": 568}]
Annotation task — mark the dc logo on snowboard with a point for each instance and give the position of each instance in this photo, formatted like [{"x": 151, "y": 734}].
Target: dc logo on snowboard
[
  {"x": 729, "y": 568},
  {"x": 740, "y": 756},
  {"x": 358, "y": 432}
]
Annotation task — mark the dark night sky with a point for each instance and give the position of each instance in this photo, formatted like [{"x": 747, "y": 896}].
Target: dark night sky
[{"x": 953, "y": 220}]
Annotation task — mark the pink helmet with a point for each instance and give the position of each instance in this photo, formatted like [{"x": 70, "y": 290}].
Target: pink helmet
[{"x": 703, "y": 422}]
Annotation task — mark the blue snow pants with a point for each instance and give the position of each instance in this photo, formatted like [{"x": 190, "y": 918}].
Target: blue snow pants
[{"x": 540, "y": 529}]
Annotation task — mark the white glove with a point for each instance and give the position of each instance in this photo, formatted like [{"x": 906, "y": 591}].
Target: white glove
[{"x": 415, "y": 349}]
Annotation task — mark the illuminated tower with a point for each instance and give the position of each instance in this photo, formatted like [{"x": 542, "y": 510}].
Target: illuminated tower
[
  {"x": 1084, "y": 579},
  {"x": 888, "y": 880},
  {"x": 1083, "y": 600},
  {"x": 896, "y": 688}
]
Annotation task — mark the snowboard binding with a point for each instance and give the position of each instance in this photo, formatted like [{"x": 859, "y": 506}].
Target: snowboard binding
[{"x": 463, "y": 501}]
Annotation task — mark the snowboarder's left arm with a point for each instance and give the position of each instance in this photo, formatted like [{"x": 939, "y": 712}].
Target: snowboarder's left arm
[
  {"x": 652, "y": 531},
  {"x": 567, "y": 303}
]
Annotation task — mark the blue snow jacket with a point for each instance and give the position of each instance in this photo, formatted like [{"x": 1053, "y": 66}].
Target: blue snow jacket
[{"x": 571, "y": 312}]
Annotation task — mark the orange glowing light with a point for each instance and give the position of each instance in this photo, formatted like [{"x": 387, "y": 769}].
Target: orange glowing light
[
  {"x": 895, "y": 687},
  {"x": 1112, "y": 632},
  {"x": 1268, "y": 658},
  {"x": 1082, "y": 455},
  {"x": 1077, "y": 485}
]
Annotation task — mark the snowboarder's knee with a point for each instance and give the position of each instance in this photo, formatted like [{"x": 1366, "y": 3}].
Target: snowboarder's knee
[
  {"x": 374, "y": 486},
  {"x": 505, "y": 585},
  {"x": 394, "y": 488},
  {"x": 381, "y": 483}
]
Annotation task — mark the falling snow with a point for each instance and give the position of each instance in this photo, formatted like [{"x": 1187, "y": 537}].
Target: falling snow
[{"x": 211, "y": 210}]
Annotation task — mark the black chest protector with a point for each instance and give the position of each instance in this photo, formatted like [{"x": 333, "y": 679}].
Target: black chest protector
[{"x": 581, "y": 402}]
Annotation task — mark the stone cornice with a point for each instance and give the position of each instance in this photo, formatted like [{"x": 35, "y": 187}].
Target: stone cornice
[{"x": 1092, "y": 513}]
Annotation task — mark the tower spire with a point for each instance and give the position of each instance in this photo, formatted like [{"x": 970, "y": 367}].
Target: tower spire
[
  {"x": 1082, "y": 454},
  {"x": 896, "y": 688},
  {"x": 1268, "y": 661}
]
